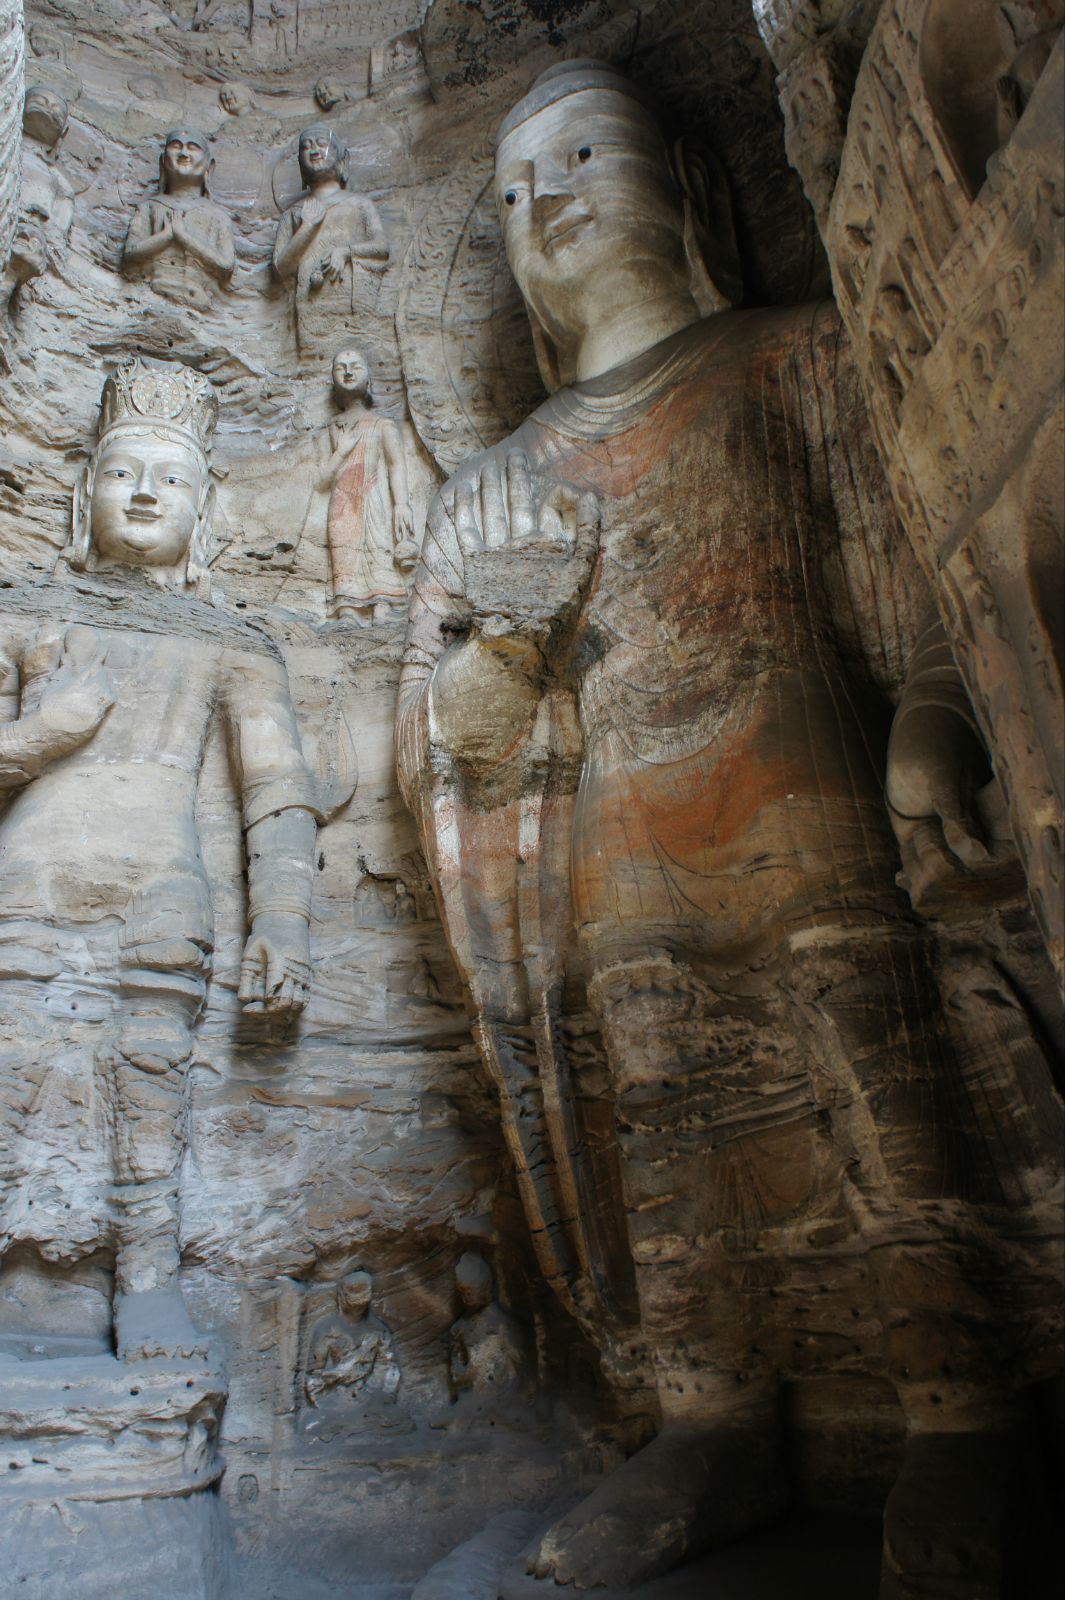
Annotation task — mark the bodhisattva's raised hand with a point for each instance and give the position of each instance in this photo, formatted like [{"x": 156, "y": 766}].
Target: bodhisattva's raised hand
[
  {"x": 77, "y": 695},
  {"x": 528, "y": 545}
]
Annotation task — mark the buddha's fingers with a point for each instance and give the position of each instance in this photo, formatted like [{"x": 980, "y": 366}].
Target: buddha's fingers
[
  {"x": 493, "y": 512},
  {"x": 520, "y": 495}
]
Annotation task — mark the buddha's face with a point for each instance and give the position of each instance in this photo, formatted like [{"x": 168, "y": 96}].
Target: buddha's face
[
  {"x": 319, "y": 154},
  {"x": 351, "y": 375},
  {"x": 185, "y": 159},
  {"x": 146, "y": 498},
  {"x": 583, "y": 186}
]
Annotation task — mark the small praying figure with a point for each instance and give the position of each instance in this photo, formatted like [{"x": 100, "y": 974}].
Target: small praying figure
[
  {"x": 370, "y": 525},
  {"x": 180, "y": 239}
]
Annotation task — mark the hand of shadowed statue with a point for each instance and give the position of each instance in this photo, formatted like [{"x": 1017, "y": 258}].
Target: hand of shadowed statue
[
  {"x": 936, "y": 771},
  {"x": 77, "y": 696},
  {"x": 528, "y": 545}
]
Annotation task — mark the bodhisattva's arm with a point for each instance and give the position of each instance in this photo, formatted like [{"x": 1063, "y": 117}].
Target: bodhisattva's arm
[
  {"x": 280, "y": 798},
  {"x": 73, "y": 702},
  {"x": 151, "y": 231}
]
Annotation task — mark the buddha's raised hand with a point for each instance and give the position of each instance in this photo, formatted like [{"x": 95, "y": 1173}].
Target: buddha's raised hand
[{"x": 528, "y": 544}]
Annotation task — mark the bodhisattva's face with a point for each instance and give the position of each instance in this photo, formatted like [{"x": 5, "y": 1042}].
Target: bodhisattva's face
[
  {"x": 184, "y": 158},
  {"x": 319, "y": 154},
  {"x": 584, "y": 186},
  {"x": 351, "y": 375},
  {"x": 145, "y": 501}
]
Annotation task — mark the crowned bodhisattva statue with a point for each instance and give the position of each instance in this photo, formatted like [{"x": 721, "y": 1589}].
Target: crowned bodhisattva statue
[{"x": 112, "y": 679}]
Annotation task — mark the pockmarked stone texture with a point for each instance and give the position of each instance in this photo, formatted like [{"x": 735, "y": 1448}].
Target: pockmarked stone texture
[{"x": 527, "y": 1042}]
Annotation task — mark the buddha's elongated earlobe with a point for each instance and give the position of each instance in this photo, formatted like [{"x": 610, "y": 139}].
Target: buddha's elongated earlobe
[
  {"x": 709, "y": 228},
  {"x": 81, "y": 520},
  {"x": 197, "y": 569}
]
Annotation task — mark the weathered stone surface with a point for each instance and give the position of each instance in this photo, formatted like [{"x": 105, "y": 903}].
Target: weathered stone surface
[{"x": 626, "y": 1153}]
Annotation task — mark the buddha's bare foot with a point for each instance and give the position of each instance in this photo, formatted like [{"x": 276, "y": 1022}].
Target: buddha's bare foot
[
  {"x": 945, "y": 1518},
  {"x": 680, "y": 1495},
  {"x": 155, "y": 1326}
]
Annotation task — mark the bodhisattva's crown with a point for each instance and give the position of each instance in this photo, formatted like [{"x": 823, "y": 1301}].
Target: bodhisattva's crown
[{"x": 164, "y": 396}]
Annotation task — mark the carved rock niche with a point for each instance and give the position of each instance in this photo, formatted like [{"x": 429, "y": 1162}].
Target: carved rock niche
[{"x": 531, "y": 800}]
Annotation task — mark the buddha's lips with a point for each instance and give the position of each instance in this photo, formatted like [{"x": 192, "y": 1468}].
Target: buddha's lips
[{"x": 564, "y": 225}]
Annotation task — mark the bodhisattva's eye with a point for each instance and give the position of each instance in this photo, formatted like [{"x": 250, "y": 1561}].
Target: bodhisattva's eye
[
  {"x": 117, "y": 472},
  {"x": 584, "y": 153},
  {"x": 173, "y": 479}
]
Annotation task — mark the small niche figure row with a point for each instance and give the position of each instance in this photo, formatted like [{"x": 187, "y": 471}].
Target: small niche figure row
[{"x": 330, "y": 241}]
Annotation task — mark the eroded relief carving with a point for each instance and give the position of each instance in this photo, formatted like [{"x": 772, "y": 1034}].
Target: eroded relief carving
[
  {"x": 112, "y": 679},
  {"x": 639, "y": 747},
  {"x": 180, "y": 239},
  {"x": 349, "y": 1356},
  {"x": 332, "y": 243},
  {"x": 947, "y": 304}
]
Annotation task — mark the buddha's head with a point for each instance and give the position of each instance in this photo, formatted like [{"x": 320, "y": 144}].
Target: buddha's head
[
  {"x": 593, "y": 204},
  {"x": 44, "y": 115},
  {"x": 351, "y": 376},
  {"x": 473, "y": 1279},
  {"x": 184, "y": 161},
  {"x": 321, "y": 156},
  {"x": 146, "y": 497},
  {"x": 354, "y": 1294}
]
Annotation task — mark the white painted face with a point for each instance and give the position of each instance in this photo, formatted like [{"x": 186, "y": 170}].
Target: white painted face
[
  {"x": 145, "y": 500},
  {"x": 351, "y": 375},
  {"x": 584, "y": 186}
]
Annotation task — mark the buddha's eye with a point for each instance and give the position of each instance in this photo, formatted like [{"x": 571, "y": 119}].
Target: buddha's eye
[
  {"x": 584, "y": 153},
  {"x": 118, "y": 472},
  {"x": 172, "y": 478},
  {"x": 511, "y": 197}
]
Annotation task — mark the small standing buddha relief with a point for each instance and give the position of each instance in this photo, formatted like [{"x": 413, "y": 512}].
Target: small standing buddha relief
[
  {"x": 370, "y": 526},
  {"x": 331, "y": 242}
]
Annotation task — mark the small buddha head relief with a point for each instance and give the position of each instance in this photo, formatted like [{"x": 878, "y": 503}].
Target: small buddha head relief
[
  {"x": 594, "y": 205},
  {"x": 184, "y": 161},
  {"x": 44, "y": 115},
  {"x": 321, "y": 155},
  {"x": 328, "y": 93},
  {"x": 146, "y": 497},
  {"x": 351, "y": 375},
  {"x": 235, "y": 99}
]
